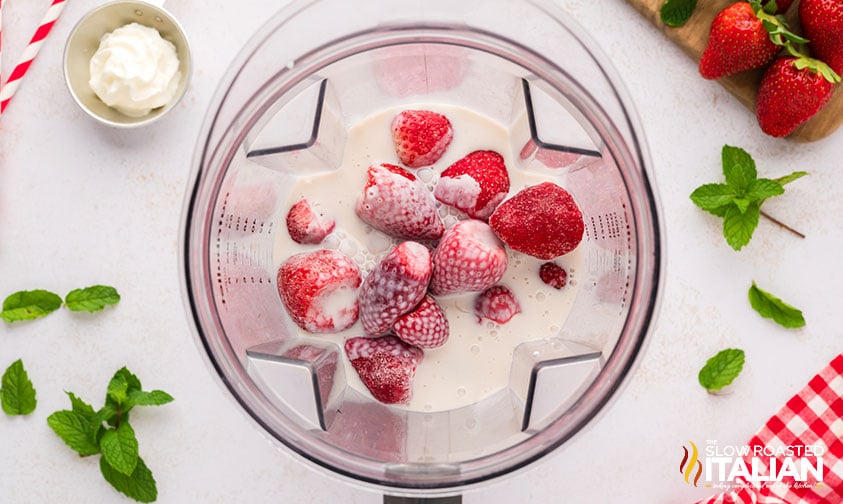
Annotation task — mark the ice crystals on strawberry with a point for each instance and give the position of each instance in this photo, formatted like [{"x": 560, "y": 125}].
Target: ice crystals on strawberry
[
  {"x": 386, "y": 366},
  {"x": 425, "y": 327},
  {"x": 396, "y": 202},
  {"x": 396, "y": 285},
  {"x": 497, "y": 303},
  {"x": 319, "y": 290},
  {"x": 553, "y": 275},
  {"x": 475, "y": 184},
  {"x": 306, "y": 226},
  {"x": 542, "y": 221},
  {"x": 468, "y": 258},
  {"x": 421, "y": 137}
]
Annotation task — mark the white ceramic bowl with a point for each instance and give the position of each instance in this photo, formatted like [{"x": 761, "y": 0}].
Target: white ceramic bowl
[{"x": 85, "y": 38}]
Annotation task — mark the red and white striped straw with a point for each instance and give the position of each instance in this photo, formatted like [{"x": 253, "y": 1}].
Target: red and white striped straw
[
  {"x": 1, "y": 44},
  {"x": 8, "y": 91}
]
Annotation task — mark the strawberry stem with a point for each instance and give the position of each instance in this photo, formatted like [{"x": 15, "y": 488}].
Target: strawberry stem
[
  {"x": 776, "y": 25},
  {"x": 813, "y": 65}
]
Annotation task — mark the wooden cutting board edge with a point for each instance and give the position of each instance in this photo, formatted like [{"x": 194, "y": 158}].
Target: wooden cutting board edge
[{"x": 692, "y": 37}]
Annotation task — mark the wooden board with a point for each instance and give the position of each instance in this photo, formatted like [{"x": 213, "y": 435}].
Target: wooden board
[{"x": 692, "y": 37}]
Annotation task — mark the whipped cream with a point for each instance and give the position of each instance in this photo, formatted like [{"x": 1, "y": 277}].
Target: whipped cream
[{"x": 134, "y": 70}]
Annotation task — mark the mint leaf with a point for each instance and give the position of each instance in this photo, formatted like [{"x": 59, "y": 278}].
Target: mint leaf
[
  {"x": 738, "y": 168},
  {"x": 761, "y": 189},
  {"x": 122, "y": 384},
  {"x": 738, "y": 226},
  {"x": 677, "y": 12},
  {"x": 720, "y": 370},
  {"x": 742, "y": 204},
  {"x": 17, "y": 395},
  {"x": 140, "y": 485},
  {"x": 790, "y": 178},
  {"x": 91, "y": 299},
  {"x": 151, "y": 398},
  {"x": 771, "y": 307},
  {"x": 107, "y": 413},
  {"x": 711, "y": 197},
  {"x": 120, "y": 448},
  {"x": 28, "y": 305},
  {"x": 75, "y": 430},
  {"x": 118, "y": 389},
  {"x": 81, "y": 407}
]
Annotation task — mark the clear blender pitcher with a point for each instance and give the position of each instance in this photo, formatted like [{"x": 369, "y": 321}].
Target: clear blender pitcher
[{"x": 284, "y": 112}]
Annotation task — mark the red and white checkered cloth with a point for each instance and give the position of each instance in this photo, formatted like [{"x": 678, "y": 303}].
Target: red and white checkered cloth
[{"x": 813, "y": 417}]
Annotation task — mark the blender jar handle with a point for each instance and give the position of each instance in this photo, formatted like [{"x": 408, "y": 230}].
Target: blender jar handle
[{"x": 389, "y": 499}]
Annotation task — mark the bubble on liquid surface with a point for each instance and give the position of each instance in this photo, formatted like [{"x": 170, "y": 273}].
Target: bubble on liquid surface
[
  {"x": 471, "y": 423},
  {"x": 428, "y": 176},
  {"x": 540, "y": 296},
  {"x": 460, "y": 391},
  {"x": 475, "y": 349}
]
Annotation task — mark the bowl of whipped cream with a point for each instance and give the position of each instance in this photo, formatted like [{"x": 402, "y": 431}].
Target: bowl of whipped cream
[{"x": 127, "y": 63}]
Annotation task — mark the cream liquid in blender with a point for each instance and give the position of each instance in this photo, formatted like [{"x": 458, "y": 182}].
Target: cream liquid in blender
[{"x": 475, "y": 361}]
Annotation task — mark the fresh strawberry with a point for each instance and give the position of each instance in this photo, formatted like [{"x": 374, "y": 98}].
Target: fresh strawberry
[
  {"x": 497, "y": 303},
  {"x": 791, "y": 92},
  {"x": 468, "y": 258},
  {"x": 782, "y": 6},
  {"x": 425, "y": 327},
  {"x": 421, "y": 137},
  {"x": 542, "y": 221},
  {"x": 822, "y": 21},
  {"x": 306, "y": 226},
  {"x": 394, "y": 287},
  {"x": 397, "y": 203},
  {"x": 319, "y": 290},
  {"x": 386, "y": 366},
  {"x": 742, "y": 36},
  {"x": 476, "y": 184},
  {"x": 553, "y": 275}
]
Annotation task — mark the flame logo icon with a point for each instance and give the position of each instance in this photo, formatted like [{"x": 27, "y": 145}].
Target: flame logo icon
[{"x": 691, "y": 461}]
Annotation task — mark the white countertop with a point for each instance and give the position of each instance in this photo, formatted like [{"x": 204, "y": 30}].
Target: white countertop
[{"x": 83, "y": 204}]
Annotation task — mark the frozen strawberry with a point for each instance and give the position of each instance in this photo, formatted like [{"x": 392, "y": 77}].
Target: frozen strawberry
[
  {"x": 394, "y": 287},
  {"x": 424, "y": 327},
  {"x": 319, "y": 290},
  {"x": 306, "y": 226},
  {"x": 497, "y": 303},
  {"x": 469, "y": 258},
  {"x": 396, "y": 202},
  {"x": 475, "y": 184},
  {"x": 386, "y": 366},
  {"x": 553, "y": 275},
  {"x": 421, "y": 137},
  {"x": 542, "y": 221}
]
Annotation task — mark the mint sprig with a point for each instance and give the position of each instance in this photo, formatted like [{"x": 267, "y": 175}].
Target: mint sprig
[
  {"x": 771, "y": 307},
  {"x": 17, "y": 395},
  {"x": 721, "y": 369},
  {"x": 677, "y": 12},
  {"x": 738, "y": 201},
  {"x": 33, "y": 304},
  {"x": 108, "y": 432}
]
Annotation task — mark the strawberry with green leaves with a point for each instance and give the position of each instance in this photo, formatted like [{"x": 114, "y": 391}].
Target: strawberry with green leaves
[
  {"x": 744, "y": 36},
  {"x": 822, "y": 21},
  {"x": 792, "y": 91}
]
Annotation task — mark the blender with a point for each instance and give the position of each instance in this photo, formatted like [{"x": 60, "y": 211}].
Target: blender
[{"x": 284, "y": 112}]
